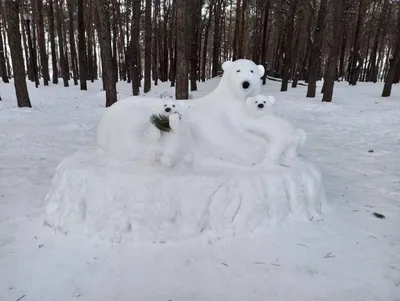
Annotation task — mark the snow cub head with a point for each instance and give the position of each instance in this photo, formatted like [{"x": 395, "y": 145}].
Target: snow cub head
[
  {"x": 260, "y": 105},
  {"x": 243, "y": 77},
  {"x": 174, "y": 107}
]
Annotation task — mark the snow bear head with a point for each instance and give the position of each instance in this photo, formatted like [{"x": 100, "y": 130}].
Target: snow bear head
[
  {"x": 175, "y": 107},
  {"x": 243, "y": 77},
  {"x": 260, "y": 105}
]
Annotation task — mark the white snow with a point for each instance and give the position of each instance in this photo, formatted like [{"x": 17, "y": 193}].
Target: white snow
[{"x": 349, "y": 255}]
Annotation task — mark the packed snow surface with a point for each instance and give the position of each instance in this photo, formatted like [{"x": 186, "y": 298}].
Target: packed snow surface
[{"x": 348, "y": 255}]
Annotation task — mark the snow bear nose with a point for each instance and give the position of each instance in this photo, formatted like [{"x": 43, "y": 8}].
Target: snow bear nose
[
  {"x": 168, "y": 110},
  {"x": 260, "y": 106},
  {"x": 246, "y": 85}
]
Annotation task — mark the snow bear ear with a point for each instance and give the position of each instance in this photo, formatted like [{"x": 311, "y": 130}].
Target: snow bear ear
[
  {"x": 271, "y": 100},
  {"x": 261, "y": 69},
  {"x": 226, "y": 65}
]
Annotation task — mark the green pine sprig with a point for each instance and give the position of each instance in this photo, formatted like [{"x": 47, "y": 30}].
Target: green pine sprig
[{"x": 161, "y": 122}]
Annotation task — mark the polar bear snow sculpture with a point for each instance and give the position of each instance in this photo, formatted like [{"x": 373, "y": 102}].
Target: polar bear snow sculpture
[
  {"x": 282, "y": 137},
  {"x": 217, "y": 116},
  {"x": 231, "y": 187},
  {"x": 126, "y": 132}
]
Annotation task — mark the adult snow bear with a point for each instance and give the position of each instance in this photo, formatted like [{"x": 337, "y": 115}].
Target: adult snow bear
[
  {"x": 126, "y": 132},
  {"x": 216, "y": 120},
  {"x": 284, "y": 140}
]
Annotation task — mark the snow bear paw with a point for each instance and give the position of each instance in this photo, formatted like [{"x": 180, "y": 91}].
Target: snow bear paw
[
  {"x": 175, "y": 121},
  {"x": 167, "y": 160}
]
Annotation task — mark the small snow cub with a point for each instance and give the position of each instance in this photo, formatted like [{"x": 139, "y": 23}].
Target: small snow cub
[
  {"x": 175, "y": 146},
  {"x": 284, "y": 139}
]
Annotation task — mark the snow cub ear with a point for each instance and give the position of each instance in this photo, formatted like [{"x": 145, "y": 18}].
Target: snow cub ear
[
  {"x": 226, "y": 65},
  {"x": 271, "y": 100},
  {"x": 261, "y": 69}
]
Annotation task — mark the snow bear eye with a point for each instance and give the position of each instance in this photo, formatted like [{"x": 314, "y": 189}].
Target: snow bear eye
[
  {"x": 173, "y": 106},
  {"x": 165, "y": 106},
  {"x": 251, "y": 71},
  {"x": 256, "y": 102},
  {"x": 265, "y": 102},
  {"x": 238, "y": 70}
]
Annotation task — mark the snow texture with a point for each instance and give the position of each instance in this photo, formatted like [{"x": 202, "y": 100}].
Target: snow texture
[
  {"x": 349, "y": 255},
  {"x": 120, "y": 191}
]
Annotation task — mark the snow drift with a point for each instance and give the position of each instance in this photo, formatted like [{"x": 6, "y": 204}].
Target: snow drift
[{"x": 220, "y": 170}]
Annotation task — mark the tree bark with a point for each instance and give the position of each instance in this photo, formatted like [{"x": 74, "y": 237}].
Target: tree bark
[
  {"x": 63, "y": 62},
  {"x": 105, "y": 45},
  {"x": 195, "y": 17},
  {"x": 264, "y": 45},
  {"x": 147, "y": 47},
  {"x": 42, "y": 43},
  {"x": 82, "y": 46},
  {"x": 3, "y": 67},
  {"x": 53, "y": 42},
  {"x": 331, "y": 68},
  {"x": 237, "y": 29},
  {"x": 387, "y": 89},
  {"x": 182, "y": 89},
  {"x": 356, "y": 63},
  {"x": 205, "y": 47},
  {"x": 316, "y": 51},
  {"x": 289, "y": 28},
  {"x": 14, "y": 38},
  {"x": 217, "y": 39},
  {"x": 72, "y": 42},
  {"x": 134, "y": 46}
]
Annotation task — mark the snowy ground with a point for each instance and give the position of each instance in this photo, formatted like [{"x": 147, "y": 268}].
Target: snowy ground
[{"x": 350, "y": 255}]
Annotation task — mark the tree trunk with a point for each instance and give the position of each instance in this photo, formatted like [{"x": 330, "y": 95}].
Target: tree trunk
[
  {"x": 195, "y": 16},
  {"x": 134, "y": 48},
  {"x": 182, "y": 89},
  {"x": 53, "y": 42},
  {"x": 42, "y": 43},
  {"x": 147, "y": 47},
  {"x": 105, "y": 45},
  {"x": 241, "y": 38},
  {"x": 264, "y": 45},
  {"x": 156, "y": 41},
  {"x": 217, "y": 40},
  {"x": 14, "y": 38},
  {"x": 237, "y": 28},
  {"x": 331, "y": 68},
  {"x": 316, "y": 51},
  {"x": 356, "y": 63},
  {"x": 72, "y": 42},
  {"x": 387, "y": 89},
  {"x": 205, "y": 47},
  {"x": 289, "y": 28},
  {"x": 3, "y": 67},
  {"x": 82, "y": 46},
  {"x": 63, "y": 63}
]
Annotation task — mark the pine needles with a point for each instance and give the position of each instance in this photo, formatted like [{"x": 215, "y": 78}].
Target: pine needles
[{"x": 161, "y": 122}]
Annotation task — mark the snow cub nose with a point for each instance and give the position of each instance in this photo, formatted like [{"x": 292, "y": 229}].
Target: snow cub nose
[
  {"x": 260, "y": 106},
  {"x": 246, "y": 85},
  {"x": 168, "y": 110}
]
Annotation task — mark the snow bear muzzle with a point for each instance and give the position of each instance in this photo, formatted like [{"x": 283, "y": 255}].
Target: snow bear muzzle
[{"x": 245, "y": 85}]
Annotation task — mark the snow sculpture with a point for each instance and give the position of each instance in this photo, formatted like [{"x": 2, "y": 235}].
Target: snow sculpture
[
  {"x": 213, "y": 169},
  {"x": 283, "y": 138}
]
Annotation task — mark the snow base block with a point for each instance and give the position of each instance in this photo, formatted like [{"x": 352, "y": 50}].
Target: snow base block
[{"x": 92, "y": 193}]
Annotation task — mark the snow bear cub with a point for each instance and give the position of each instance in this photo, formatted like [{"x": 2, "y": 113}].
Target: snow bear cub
[
  {"x": 284, "y": 140},
  {"x": 125, "y": 131},
  {"x": 175, "y": 147}
]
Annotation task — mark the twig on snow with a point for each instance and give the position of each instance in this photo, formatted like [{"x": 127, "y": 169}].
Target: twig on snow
[
  {"x": 20, "y": 298},
  {"x": 329, "y": 255}
]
